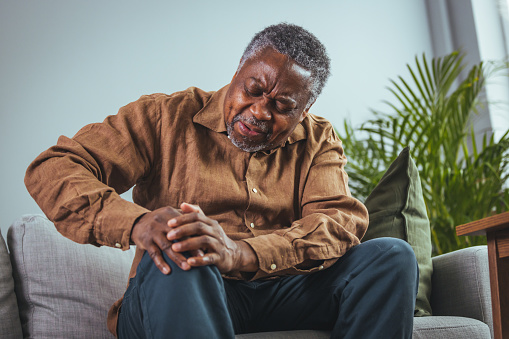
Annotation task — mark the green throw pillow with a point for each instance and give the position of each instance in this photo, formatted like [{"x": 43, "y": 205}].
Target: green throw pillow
[{"x": 396, "y": 209}]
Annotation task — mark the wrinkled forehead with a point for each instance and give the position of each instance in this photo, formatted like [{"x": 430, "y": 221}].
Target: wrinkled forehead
[
  {"x": 269, "y": 65},
  {"x": 270, "y": 55}
]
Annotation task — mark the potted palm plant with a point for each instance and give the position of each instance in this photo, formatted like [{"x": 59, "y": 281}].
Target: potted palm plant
[{"x": 462, "y": 179}]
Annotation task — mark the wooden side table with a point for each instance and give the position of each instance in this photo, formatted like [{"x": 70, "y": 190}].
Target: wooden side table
[{"x": 496, "y": 229}]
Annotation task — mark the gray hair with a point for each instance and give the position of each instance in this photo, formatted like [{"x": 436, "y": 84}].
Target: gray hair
[{"x": 299, "y": 45}]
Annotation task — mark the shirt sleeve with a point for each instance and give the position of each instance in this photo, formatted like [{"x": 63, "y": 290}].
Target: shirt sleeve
[
  {"x": 331, "y": 223},
  {"x": 77, "y": 182}
]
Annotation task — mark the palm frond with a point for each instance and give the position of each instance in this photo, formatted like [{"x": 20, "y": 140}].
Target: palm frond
[{"x": 431, "y": 113}]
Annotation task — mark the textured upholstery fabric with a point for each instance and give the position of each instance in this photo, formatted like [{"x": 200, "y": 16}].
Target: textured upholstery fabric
[
  {"x": 441, "y": 327},
  {"x": 458, "y": 274},
  {"x": 397, "y": 209},
  {"x": 436, "y": 327},
  {"x": 10, "y": 326},
  {"x": 64, "y": 289},
  {"x": 286, "y": 335}
]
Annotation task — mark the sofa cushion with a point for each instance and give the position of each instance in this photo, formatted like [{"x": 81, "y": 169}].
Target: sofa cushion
[
  {"x": 10, "y": 326},
  {"x": 301, "y": 334},
  {"x": 397, "y": 209},
  {"x": 61, "y": 285},
  {"x": 441, "y": 327},
  {"x": 461, "y": 285},
  {"x": 424, "y": 328}
]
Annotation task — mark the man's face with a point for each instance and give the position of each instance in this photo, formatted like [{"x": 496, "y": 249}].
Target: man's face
[{"x": 266, "y": 100}]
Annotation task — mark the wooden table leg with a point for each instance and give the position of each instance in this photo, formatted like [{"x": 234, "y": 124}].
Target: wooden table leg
[
  {"x": 499, "y": 281},
  {"x": 496, "y": 229}
]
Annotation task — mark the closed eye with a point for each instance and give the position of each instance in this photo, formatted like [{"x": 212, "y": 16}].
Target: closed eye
[
  {"x": 254, "y": 92},
  {"x": 284, "y": 107}
]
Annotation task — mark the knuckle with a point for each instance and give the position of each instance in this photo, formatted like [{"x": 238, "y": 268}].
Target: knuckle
[
  {"x": 176, "y": 257},
  {"x": 201, "y": 226},
  {"x": 153, "y": 254},
  {"x": 168, "y": 209},
  {"x": 165, "y": 245}
]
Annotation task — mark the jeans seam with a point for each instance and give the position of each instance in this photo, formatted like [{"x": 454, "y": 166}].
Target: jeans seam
[
  {"x": 145, "y": 315},
  {"x": 132, "y": 285}
]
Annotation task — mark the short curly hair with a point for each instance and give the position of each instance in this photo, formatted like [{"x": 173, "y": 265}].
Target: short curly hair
[{"x": 299, "y": 45}]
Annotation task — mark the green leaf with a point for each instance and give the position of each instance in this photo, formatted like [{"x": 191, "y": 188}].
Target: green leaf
[{"x": 430, "y": 112}]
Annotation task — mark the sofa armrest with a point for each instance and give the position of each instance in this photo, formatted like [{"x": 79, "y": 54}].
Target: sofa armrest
[{"x": 461, "y": 285}]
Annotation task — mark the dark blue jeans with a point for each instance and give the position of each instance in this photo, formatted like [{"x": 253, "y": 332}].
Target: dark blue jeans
[{"x": 368, "y": 293}]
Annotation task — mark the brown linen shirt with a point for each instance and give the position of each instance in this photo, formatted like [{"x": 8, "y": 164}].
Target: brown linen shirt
[{"x": 289, "y": 204}]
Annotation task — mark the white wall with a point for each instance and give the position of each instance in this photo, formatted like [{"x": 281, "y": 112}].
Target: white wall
[{"x": 64, "y": 64}]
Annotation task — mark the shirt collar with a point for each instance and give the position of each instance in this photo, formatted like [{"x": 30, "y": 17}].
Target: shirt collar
[
  {"x": 212, "y": 113},
  {"x": 212, "y": 117}
]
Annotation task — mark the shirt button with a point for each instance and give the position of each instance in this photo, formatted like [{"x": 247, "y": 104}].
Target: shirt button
[
  {"x": 273, "y": 266},
  {"x": 118, "y": 245},
  {"x": 252, "y": 225},
  {"x": 255, "y": 190}
]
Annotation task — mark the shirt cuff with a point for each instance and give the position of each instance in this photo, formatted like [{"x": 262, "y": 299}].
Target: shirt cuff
[
  {"x": 275, "y": 254},
  {"x": 114, "y": 225}
]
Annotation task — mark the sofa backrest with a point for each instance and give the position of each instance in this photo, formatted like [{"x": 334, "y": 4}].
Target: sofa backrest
[
  {"x": 10, "y": 326},
  {"x": 64, "y": 289}
]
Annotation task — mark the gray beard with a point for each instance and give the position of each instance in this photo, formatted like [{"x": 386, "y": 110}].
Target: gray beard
[{"x": 242, "y": 142}]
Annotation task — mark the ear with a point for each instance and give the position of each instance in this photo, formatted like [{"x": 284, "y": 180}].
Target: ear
[
  {"x": 306, "y": 111},
  {"x": 235, "y": 75},
  {"x": 237, "y": 71}
]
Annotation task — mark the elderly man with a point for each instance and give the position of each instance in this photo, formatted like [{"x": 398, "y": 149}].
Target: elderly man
[{"x": 242, "y": 217}]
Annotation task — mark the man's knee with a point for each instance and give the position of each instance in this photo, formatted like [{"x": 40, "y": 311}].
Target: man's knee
[
  {"x": 399, "y": 257},
  {"x": 191, "y": 288},
  {"x": 393, "y": 246},
  {"x": 196, "y": 276},
  {"x": 179, "y": 296},
  {"x": 403, "y": 253},
  {"x": 396, "y": 253}
]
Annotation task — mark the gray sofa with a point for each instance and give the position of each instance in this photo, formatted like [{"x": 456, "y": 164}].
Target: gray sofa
[{"x": 60, "y": 289}]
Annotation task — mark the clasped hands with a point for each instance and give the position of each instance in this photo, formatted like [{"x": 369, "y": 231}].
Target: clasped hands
[{"x": 173, "y": 232}]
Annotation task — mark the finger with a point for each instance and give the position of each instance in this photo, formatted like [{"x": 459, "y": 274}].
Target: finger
[
  {"x": 188, "y": 208},
  {"x": 195, "y": 243},
  {"x": 158, "y": 259},
  {"x": 177, "y": 258},
  {"x": 207, "y": 259},
  {"x": 197, "y": 253},
  {"x": 189, "y": 218},
  {"x": 192, "y": 229},
  {"x": 194, "y": 253}
]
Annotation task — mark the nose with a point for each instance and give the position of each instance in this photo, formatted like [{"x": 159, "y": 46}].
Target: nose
[{"x": 260, "y": 109}]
